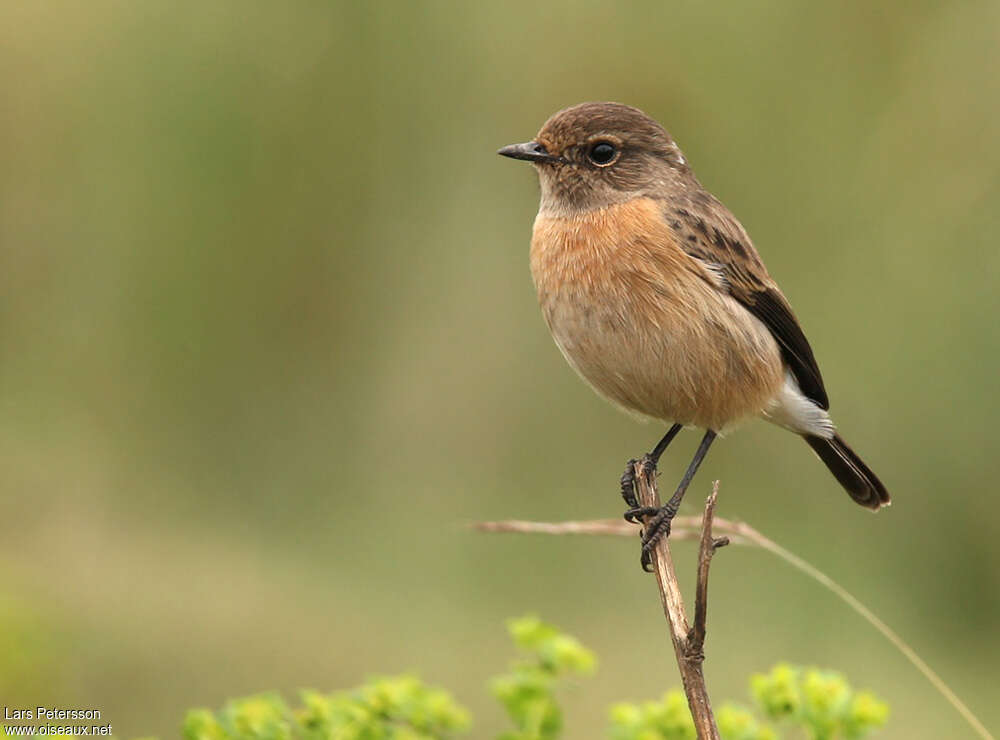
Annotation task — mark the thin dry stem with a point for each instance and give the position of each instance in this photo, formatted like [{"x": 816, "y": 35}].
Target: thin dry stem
[
  {"x": 688, "y": 642},
  {"x": 689, "y": 657},
  {"x": 709, "y": 544},
  {"x": 689, "y": 528}
]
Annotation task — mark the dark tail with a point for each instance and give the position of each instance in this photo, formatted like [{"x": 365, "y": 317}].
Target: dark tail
[{"x": 856, "y": 477}]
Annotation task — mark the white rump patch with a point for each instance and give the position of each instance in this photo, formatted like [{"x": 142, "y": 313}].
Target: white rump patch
[{"x": 792, "y": 410}]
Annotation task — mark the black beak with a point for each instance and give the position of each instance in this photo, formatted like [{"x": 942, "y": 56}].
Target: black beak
[{"x": 531, "y": 151}]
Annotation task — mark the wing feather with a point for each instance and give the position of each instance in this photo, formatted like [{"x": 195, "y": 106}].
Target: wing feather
[{"x": 708, "y": 232}]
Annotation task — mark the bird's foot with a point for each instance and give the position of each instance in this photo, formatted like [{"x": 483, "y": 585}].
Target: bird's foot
[
  {"x": 637, "y": 513},
  {"x": 629, "y": 491},
  {"x": 628, "y": 486},
  {"x": 656, "y": 519},
  {"x": 656, "y": 529}
]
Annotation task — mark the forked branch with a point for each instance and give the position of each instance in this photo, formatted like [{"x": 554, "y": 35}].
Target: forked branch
[
  {"x": 688, "y": 640},
  {"x": 709, "y": 544},
  {"x": 740, "y": 533}
]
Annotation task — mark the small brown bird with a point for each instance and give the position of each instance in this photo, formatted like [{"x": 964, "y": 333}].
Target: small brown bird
[{"x": 656, "y": 296}]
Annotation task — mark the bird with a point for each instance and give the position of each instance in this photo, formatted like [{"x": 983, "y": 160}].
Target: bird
[{"x": 656, "y": 296}]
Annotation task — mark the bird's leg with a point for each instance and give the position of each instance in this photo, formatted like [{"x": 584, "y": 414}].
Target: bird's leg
[
  {"x": 648, "y": 469},
  {"x": 659, "y": 525}
]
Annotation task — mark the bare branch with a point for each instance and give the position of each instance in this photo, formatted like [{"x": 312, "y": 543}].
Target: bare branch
[
  {"x": 689, "y": 664},
  {"x": 684, "y": 528},
  {"x": 688, "y": 642},
  {"x": 709, "y": 544},
  {"x": 614, "y": 527},
  {"x": 740, "y": 533}
]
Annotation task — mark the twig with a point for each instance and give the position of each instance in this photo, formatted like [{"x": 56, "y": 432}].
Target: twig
[
  {"x": 615, "y": 527},
  {"x": 709, "y": 544},
  {"x": 756, "y": 538},
  {"x": 740, "y": 533},
  {"x": 688, "y": 642},
  {"x": 689, "y": 660},
  {"x": 683, "y": 528}
]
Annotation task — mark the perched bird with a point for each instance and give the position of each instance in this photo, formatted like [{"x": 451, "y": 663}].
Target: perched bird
[{"x": 656, "y": 296}]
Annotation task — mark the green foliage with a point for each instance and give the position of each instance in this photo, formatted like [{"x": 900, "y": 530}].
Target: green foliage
[
  {"x": 527, "y": 692},
  {"x": 396, "y": 708},
  {"x": 403, "y": 708},
  {"x": 820, "y": 701},
  {"x": 670, "y": 719},
  {"x": 737, "y": 723}
]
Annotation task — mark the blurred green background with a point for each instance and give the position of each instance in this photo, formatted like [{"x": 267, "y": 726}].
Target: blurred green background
[{"x": 270, "y": 343}]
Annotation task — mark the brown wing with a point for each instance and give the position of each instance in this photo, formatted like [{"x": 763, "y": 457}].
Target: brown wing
[{"x": 707, "y": 231}]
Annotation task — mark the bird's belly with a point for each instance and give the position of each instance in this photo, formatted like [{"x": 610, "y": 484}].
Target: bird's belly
[
  {"x": 707, "y": 362},
  {"x": 644, "y": 324}
]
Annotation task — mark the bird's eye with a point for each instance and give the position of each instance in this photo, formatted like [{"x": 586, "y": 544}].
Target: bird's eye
[{"x": 603, "y": 153}]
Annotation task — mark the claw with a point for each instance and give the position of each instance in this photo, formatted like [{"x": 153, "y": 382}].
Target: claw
[
  {"x": 645, "y": 562},
  {"x": 628, "y": 485},
  {"x": 656, "y": 529},
  {"x": 636, "y": 513},
  {"x": 658, "y": 524}
]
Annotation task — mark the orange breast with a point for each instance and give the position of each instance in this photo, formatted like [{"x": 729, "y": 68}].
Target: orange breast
[{"x": 644, "y": 323}]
